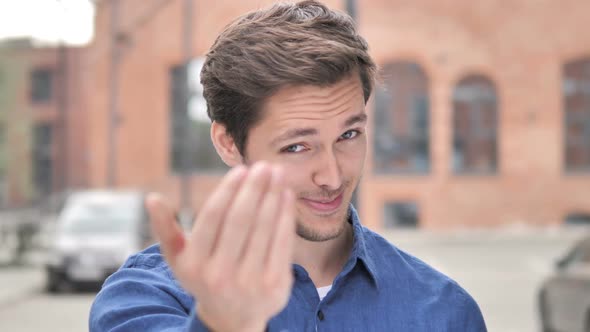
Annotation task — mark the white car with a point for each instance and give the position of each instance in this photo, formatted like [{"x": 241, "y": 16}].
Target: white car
[
  {"x": 96, "y": 231},
  {"x": 564, "y": 298}
]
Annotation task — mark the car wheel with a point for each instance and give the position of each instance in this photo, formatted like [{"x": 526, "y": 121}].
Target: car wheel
[
  {"x": 56, "y": 283},
  {"x": 52, "y": 283},
  {"x": 544, "y": 312}
]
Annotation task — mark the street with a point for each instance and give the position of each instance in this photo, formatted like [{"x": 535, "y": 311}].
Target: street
[
  {"x": 502, "y": 270},
  {"x": 42, "y": 312}
]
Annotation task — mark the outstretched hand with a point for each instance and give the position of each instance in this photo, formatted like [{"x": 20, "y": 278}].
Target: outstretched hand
[{"x": 237, "y": 259}]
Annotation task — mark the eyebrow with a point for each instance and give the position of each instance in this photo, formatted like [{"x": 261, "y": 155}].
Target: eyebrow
[
  {"x": 355, "y": 119},
  {"x": 294, "y": 133},
  {"x": 302, "y": 132}
]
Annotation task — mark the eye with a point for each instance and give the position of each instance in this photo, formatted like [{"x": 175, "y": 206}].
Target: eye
[
  {"x": 350, "y": 134},
  {"x": 295, "y": 148}
]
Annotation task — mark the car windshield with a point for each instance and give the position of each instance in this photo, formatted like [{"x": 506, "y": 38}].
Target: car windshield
[
  {"x": 105, "y": 214},
  {"x": 579, "y": 254}
]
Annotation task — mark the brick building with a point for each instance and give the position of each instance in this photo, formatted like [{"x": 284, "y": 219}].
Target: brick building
[
  {"x": 482, "y": 117},
  {"x": 41, "y": 121}
]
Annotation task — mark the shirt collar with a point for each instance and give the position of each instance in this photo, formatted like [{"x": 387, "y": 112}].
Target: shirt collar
[{"x": 360, "y": 249}]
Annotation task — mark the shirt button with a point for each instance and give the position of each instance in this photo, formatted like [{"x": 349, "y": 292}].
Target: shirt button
[{"x": 321, "y": 315}]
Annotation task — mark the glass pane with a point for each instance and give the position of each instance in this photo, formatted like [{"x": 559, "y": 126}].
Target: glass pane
[
  {"x": 191, "y": 146},
  {"x": 97, "y": 214},
  {"x": 475, "y": 126},
  {"x": 402, "y": 111},
  {"x": 577, "y": 219},
  {"x": 42, "y": 158},
  {"x": 3, "y": 166},
  {"x": 576, "y": 92},
  {"x": 401, "y": 214},
  {"x": 41, "y": 85}
]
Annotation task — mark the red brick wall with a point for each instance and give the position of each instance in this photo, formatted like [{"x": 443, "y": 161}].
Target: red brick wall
[
  {"x": 152, "y": 49},
  {"x": 519, "y": 45},
  {"x": 22, "y": 115}
]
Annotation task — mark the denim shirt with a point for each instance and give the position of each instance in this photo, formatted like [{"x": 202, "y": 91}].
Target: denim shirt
[{"x": 380, "y": 288}]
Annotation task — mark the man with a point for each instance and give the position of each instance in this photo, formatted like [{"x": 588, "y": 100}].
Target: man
[{"x": 277, "y": 246}]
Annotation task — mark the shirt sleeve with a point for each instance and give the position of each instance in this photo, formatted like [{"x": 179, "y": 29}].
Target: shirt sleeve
[
  {"x": 470, "y": 318},
  {"x": 142, "y": 298}
]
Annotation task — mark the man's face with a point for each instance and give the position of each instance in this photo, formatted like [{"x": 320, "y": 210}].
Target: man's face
[{"x": 318, "y": 135}]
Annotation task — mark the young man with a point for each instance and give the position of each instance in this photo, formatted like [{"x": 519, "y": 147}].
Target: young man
[{"x": 277, "y": 246}]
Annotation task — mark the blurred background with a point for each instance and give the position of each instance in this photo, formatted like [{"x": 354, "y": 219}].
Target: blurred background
[{"x": 479, "y": 153}]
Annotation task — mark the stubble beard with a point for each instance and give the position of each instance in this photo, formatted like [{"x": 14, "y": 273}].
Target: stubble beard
[{"x": 310, "y": 234}]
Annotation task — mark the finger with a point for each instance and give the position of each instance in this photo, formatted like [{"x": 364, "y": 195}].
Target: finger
[
  {"x": 165, "y": 227},
  {"x": 280, "y": 253},
  {"x": 263, "y": 229},
  {"x": 210, "y": 220},
  {"x": 242, "y": 215}
]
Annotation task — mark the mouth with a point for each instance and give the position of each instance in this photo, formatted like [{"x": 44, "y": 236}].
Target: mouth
[{"x": 324, "y": 206}]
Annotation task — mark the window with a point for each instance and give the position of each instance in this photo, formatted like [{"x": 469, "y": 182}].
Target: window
[
  {"x": 3, "y": 166},
  {"x": 576, "y": 94},
  {"x": 191, "y": 147},
  {"x": 402, "y": 106},
  {"x": 2, "y": 147},
  {"x": 177, "y": 117},
  {"x": 475, "y": 122},
  {"x": 41, "y": 85},
  {"x": 577, "y": 219},
  {"x": 42, "y": 158},
  {"x": 401, "y": 215}
]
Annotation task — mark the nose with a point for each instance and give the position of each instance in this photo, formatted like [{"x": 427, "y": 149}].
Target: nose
[{"x": 328, "y": 173}]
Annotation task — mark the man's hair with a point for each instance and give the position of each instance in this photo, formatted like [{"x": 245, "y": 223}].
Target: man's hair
[{"x": 304, "y": 43}]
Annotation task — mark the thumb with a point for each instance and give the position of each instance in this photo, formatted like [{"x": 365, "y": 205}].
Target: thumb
[{"x": 164, "y": 227}]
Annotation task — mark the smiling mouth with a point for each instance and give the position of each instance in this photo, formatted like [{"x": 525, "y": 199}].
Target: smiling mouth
[{"x": 324, "y": 205}]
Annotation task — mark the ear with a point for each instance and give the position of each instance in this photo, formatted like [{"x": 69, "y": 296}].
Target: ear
[{"x": 225, "y": 145}]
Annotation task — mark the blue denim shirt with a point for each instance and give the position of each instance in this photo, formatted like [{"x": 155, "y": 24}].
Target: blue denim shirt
[{"x": 381, "y": 288}]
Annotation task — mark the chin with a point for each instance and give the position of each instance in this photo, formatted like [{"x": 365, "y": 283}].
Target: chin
[{"x": 319, "y": 227}]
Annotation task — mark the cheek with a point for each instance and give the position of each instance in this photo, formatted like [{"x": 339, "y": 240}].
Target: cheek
[
  {"x": 352, "y": 157},
  {"x": 297, "y": 176}
]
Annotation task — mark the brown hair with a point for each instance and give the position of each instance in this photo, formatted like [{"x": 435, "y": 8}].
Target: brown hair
[{"x": 287, "y": 44}]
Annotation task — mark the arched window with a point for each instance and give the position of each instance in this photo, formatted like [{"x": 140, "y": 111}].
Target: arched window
[
  {"x": 576, "y": 95},
  {"x": 402, "y": 106},
  {"x": 475, "y": 126}
]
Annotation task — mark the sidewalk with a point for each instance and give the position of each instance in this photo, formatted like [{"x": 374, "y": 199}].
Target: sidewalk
[
  {"x": 498, "y": 235},
  {"x": 19, "y": 282}
]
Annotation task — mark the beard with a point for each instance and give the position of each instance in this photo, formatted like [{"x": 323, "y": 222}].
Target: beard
[
  {"x": 313, "y": 235},
  {"x": 310, "y": 233}
]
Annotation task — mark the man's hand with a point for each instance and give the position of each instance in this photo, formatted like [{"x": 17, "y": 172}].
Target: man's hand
[{"x": 237, "y": 260}]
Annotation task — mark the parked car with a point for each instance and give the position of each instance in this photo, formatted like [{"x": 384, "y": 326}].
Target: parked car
[
  {"x": 95, "y": 232},
  {"x": 564, "y": 298}
]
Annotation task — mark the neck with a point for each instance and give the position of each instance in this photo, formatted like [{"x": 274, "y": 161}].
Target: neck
[{"x": 324, "y": 260}]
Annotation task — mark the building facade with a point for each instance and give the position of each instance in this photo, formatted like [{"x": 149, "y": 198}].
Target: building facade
[
  {"x": 41, "y": 123},
  {"x": 481, "y": 117}
]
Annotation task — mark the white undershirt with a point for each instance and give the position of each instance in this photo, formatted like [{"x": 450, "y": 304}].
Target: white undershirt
[{"x": 323, "y": 291}]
